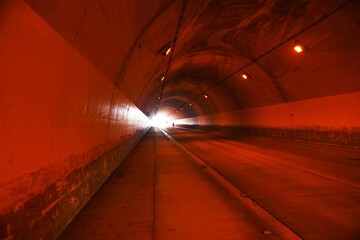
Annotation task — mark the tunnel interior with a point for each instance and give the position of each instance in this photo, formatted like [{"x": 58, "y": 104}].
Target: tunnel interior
[{"x": 81, "y": 81}]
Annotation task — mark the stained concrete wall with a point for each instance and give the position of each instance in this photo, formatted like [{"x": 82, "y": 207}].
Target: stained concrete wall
[
  {"x": 332, "y": 119},
  {"x": 64, "y": 127}
]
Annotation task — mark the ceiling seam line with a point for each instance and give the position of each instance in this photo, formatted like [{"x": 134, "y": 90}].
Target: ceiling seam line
[{"x": 178, "y": 26}]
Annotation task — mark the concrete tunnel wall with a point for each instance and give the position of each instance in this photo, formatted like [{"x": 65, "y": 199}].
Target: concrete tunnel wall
[
  {"x": 334, "y": 119},
  {"x": 64, "y": 127}
]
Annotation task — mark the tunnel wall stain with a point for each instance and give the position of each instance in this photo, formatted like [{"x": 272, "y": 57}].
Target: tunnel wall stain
[
  {"x": 347, "y": 137},
  {"x": 64, "y": 127},
  {"x": 45, "y": 215}
]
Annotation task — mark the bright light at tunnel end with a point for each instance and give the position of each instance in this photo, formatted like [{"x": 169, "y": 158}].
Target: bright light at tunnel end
[{"x": 161, "y": 121}]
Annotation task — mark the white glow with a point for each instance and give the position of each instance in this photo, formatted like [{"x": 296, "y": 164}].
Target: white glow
[
  {"x": 298, "y": 48},
  {"x": 168, "y": 51},
  {"x": 161, "y": 121}
]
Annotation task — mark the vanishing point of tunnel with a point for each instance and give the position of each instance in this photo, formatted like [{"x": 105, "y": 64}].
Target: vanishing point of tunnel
[{"x": 180, "y": 119}]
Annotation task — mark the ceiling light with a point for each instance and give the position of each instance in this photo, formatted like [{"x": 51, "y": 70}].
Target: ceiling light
[
  {"x": 206, "y": 96},
  {"x": 161, "y": 77},
  {"x": 298, "y": 48},
  {"x": 168, "y": 51},
  {"x": 158, "y": 97},
  {"x": 244, "y": 76},
  {"x": 190, "y": 104},
  {"x": 165, "y": 50}
]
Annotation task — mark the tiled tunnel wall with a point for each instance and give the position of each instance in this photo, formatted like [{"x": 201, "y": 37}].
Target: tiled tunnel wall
[{"x": 64, "y": 127}]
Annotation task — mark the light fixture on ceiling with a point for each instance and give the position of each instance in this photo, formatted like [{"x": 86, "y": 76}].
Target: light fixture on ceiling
[
  {"x": 158, "y": 98},
  {"x": 298, "y": 48},
  {"x": 162, "y": 78},
  {"x": 245, "y": 76},
  {"x": 165, "y": 50},
  {"x": 168, "y": 51},
  {"x": 190, "y": 104},
  {"x": 206, "y": 96}
]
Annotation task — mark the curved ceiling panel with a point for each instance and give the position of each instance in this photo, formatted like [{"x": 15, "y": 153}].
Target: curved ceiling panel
[{"x": 214, "y": 43}]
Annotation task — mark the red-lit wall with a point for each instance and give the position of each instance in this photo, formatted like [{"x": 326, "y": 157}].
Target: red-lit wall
[
  {"x": 340, "y": 111},
  {"x": 64, "y": 126},
  {"x": 334, "y": 119}
]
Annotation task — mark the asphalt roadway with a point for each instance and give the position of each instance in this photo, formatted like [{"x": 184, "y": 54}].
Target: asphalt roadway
[{"x": 313, "y": 189}]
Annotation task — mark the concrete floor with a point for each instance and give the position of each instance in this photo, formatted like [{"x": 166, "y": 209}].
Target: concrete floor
[{"x": 159, "y": 192}]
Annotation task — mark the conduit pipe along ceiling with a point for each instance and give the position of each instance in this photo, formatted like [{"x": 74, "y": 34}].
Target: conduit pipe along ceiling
[{"x": 218, "y": 56}]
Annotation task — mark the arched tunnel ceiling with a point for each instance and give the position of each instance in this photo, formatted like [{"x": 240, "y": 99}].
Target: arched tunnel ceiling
[{"x": 216, "y": 42}]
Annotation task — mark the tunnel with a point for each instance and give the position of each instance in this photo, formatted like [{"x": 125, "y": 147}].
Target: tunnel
[{"x": 179, "y": 119}]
